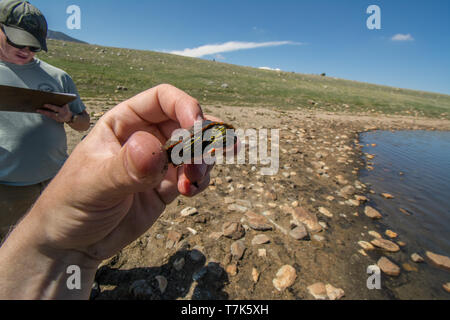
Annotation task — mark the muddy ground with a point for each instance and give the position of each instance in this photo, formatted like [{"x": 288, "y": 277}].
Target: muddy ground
[{"x": 319, "y": 156}]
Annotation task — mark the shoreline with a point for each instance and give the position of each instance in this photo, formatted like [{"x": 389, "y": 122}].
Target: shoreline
[{"x": 307, "y": 179}]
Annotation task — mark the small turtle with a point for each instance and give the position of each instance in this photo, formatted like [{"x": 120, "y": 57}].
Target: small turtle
[{"x": 214, "y": 135}]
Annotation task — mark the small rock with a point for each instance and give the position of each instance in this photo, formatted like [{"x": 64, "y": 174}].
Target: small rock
[
  {"x": 233, "y": 230},
  {"x": 375, "y": 234},
  {"x": 386, "y": 245},
  {"x": 255, "y": 275},
  {"x": 409, "y": 267},
  {"x": 439, "y": 260},
  {"x": 236, "y": 207},
  {"x": 446, "y": 287},
  {"x": 299, "y": 232},
  {"x": 231, "y": 269},
  {"x": 284, "y": 278},
  {"x": 388, "y": 267},
  {"x": 391, "y": 234},
  {"x": 188, "y": 212},
  {"x": 347, "y": 192},
  {"x": 334, "y": 293},
  {"x": 318, "y": 238},
  {"x": 416, "y": 258},
  {"x": 318, "y": 291},
  {"x": 173, "y": 237},
  {"x": 387, "y": 196},
  {"x": 237, "y": 249},
  {"x": 258, "y": 222},
  {"x": 372, "y": 213},
  {"x": 193, "y": 231},
  {"x": 366, "y": 245},
  {"x": 301, "y": 215},
  {"x": 260, "y": 239},
  {"x": 162, "y": 283},
  {"x": 262, "y": 253},
  {"x": 325, "y": 212}
]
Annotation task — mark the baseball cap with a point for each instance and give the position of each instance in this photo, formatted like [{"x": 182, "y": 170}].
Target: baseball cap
[{"x": 23, "y": 23}]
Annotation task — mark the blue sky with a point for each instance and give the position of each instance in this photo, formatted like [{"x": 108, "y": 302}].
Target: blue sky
[{"x": 412, "y": 49}]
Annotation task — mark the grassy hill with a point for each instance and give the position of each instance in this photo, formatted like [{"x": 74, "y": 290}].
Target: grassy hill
[{"x": 98, "y": 71}]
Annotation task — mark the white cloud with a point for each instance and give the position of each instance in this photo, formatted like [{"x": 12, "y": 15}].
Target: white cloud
[
  {"x": 402, "y": 37},
  {"x": 270, "y": 69},
  {"x": 211, "y": 49}
]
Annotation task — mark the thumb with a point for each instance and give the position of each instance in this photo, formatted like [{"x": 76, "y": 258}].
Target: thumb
[{"x": 141, "y": 164}]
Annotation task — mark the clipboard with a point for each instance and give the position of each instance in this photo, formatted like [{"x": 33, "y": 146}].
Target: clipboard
[{"x": 14, "y": 99}]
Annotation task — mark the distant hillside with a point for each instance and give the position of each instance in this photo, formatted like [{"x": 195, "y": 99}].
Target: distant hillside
[
  {"x": 56, "y": 35},
  {"x": 99, "y": 72}
]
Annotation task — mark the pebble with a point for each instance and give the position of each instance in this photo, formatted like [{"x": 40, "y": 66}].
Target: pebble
[
  {"x": 299, "y": 232},
  {"x": 366, "y": 245},
  {"x": 388, "y": 267},
  {"x": 318, "y": 291},
  {"x": 162, "y": 283},
  {"x": 409, "y": 267},
  {"x": 284, "y": 278},
  {"x": 233, "y": 230},
  {"x": 255, "y": 275},
  {"x": 189, "y": 212},
  {"x": 325, "y": 212},
  {"x": 375, "y": 234},
  {"x": 439, "y": 260},
  {"x": 318, "y": 238},
  {"x": 236, "y": 207},
  {"x": 262, "y": 253},
  {"x": 387, "y": 196},
  {"x": 372, "y": 213},
  {"x": 238, "y": 249},
  {"x": 347, "y": 191},
  {"x": 193, "y": 231},
  {"x": 446, "y": 287},
  {"x": 301, "y": 215},
  {"x": 260, "y": 239},
  {"x": 386, "y": 245},
  {"x": 231, "y": 269},
  {"x": 416, "y": 258},
  {"x": 391, "y": 234},
  {"x": 258, "y": 222},
  {"x": 334, "y": 293}
]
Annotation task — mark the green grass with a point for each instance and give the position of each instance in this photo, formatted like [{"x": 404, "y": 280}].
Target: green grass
[{"x": 97, "y": 71}]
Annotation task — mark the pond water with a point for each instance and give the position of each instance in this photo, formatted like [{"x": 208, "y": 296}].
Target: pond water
[{"x": 414, "y": 167}]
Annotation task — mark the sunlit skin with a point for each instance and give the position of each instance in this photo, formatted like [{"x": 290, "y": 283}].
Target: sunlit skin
[{"x": 13, "y": 55}]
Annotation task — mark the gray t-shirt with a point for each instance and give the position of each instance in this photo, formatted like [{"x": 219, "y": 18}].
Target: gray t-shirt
[{"x": 33, "y": 147}]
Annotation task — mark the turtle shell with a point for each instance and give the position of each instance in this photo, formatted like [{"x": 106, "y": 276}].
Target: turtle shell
[{"x": 219, "y": 135}]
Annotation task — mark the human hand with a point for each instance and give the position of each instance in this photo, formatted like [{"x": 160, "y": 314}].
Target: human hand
[
  {"x": 117, "y": 181},
  {"x": 59, "y": 114}
]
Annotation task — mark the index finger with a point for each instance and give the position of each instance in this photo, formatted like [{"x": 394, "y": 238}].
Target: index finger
[{"x": 153, "y": 107}]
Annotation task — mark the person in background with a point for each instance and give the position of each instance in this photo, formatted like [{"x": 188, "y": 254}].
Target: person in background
[{"x": 33, "y": 147}]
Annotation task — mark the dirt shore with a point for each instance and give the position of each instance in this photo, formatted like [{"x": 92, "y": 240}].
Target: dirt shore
[{"x": 320, "y": 158}]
